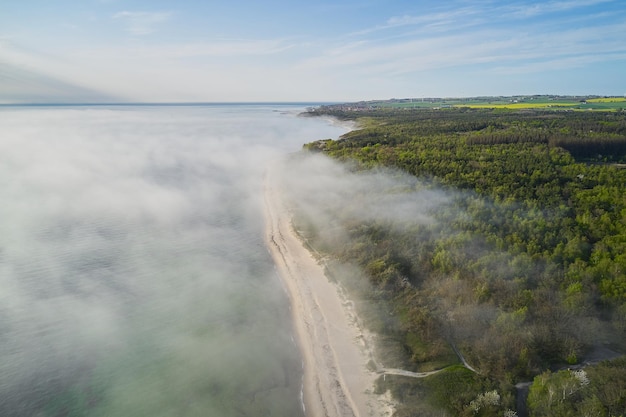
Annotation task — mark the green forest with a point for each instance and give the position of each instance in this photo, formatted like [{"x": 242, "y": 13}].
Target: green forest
[{"x": 523, "y": 273}]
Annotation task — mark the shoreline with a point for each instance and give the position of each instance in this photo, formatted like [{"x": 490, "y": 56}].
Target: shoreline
[{"x": 336, "y": 380}]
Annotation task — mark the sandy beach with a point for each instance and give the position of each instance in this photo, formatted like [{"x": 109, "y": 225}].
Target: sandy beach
[{"x": 337, "y": 382}]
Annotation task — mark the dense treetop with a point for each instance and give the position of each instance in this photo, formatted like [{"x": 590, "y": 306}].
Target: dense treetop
[{"x": 525, "y": 271}]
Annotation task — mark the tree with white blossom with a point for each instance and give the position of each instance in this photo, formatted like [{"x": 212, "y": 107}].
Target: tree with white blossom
[
  {"x": 483, "y": 400},
  {"x": 549, "y": 391}
]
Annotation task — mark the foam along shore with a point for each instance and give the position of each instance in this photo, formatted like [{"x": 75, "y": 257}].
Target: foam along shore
[{"x": 336, "y": 381}]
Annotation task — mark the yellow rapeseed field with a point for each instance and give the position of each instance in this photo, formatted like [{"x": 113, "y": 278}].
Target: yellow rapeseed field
[
  {"x": 518, "y": 105},
  {"x": 607, "y": 100}
]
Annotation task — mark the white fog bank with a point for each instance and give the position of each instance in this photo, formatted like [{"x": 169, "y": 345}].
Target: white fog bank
[{"x": 133, "y": 275}]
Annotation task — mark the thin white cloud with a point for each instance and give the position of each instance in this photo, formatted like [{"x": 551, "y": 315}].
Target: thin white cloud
[
  {"x": 413, "y": 55},
  {"x": 473, "y": 47},
  {"x": 460, "y": 18},
  {"x": 446, "y": 18},
  {"x": 142, "y": 23},
  {"x": 225, "y": 47},
  {"x": 432, "y": 18},
  {"x": 526, "y": 11},
  {"x": 563, "y": 63}
]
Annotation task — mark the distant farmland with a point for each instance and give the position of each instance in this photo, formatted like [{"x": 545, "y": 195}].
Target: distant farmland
[
  {"x": 577, "y": 103},
  {"x": 603, "y": 103}
]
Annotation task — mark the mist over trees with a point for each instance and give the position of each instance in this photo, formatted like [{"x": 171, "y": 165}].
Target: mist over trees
[{"x": 521, "y": 265}]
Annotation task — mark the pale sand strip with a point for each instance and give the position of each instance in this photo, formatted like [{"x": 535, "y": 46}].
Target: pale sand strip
[{"x": 336, "y": 381}]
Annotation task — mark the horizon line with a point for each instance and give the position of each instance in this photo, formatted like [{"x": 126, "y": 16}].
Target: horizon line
[
  {"x": 174, "y": 103},
  {"x": 312, "y": 102}
]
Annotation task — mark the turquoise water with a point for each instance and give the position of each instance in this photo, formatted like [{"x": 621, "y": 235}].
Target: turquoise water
[{"x": 134, "y": 280}]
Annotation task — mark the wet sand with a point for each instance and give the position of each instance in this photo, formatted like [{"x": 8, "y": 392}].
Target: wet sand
[{"x": 337, "y": 382}]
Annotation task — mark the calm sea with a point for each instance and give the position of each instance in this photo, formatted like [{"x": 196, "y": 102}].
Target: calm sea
[{"x": 134, "y": 280}]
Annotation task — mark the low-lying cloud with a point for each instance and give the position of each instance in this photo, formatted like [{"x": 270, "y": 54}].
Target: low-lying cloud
[
  {"x": 321, "y": 186},
  {"x": 133, "y": 275}
]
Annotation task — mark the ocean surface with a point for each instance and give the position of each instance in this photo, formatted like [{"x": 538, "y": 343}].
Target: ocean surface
[{"x": 134, "y": 280}]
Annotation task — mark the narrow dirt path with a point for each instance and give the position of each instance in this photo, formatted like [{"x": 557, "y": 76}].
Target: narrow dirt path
[{"x": 402, "y": 372}]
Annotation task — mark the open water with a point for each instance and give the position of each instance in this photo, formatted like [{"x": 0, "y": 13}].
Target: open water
[{"x": 134, "y": 280}]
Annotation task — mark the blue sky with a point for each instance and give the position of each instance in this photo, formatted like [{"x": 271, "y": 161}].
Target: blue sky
[{"x": 278, "y": 50}]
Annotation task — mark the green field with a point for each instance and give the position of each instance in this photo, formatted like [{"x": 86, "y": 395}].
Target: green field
[{"x": 578, "y": 103}]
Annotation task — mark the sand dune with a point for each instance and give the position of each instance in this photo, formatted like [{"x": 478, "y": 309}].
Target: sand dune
[{"x": 337, "y": 381}]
